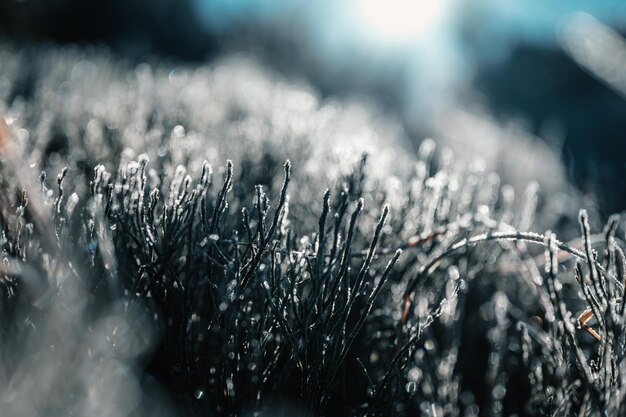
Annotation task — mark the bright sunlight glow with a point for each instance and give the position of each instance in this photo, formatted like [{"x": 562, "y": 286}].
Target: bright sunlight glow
[{"x": 399, "y": 20}]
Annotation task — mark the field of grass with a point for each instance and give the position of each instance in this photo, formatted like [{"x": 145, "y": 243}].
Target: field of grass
[{"x": 217, "y": 241}]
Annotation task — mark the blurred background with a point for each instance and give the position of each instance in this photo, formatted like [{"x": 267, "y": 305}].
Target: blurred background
[{"x": 534, "y": 88}]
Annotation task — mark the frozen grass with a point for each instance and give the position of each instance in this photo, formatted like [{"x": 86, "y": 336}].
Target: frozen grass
[{"x": 137, "y": 281}]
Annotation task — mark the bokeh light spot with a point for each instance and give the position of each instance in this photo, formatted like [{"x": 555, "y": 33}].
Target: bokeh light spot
[{"x": 399, "y": 20}]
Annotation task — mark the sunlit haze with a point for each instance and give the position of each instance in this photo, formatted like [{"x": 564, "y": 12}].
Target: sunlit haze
[{"x": 399, "y": 20}]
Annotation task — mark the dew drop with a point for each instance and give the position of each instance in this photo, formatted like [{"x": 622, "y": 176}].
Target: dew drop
[
  {"x": 179, "y": 131},
  {"x": 429, "y": 345},
  {"x": 415, "y": 374},
  {"x": 411, "y": 387},
  {"x": 498, "y": 392},
  {"x": 199, "y": 394}
]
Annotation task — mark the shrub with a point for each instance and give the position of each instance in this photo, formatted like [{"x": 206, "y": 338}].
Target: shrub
[{"x": 158, "y": 287}]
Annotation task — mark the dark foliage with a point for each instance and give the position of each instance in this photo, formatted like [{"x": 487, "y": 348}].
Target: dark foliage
[{"x": 421, "y": 294}]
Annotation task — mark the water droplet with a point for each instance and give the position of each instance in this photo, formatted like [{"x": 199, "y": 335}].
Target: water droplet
[
  {"x": 179, "y": 131},
  {"x": 230, "y": 386},
  {"x": 199, "y": 394},
  {"x": 415, "y": 374},
  {"x": 429, "y": 345},
  {"x": 498, "y": 392},
  {"x": 411, "y": 387}
]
